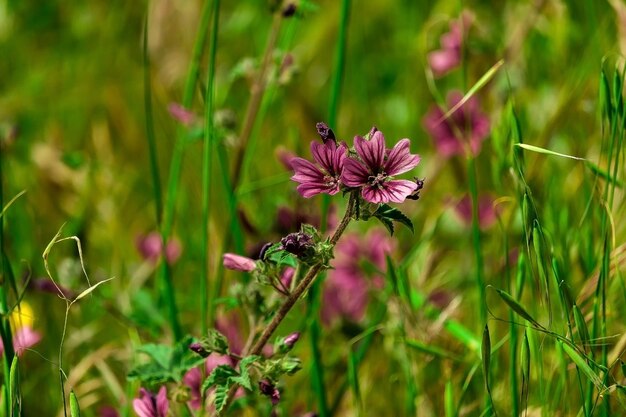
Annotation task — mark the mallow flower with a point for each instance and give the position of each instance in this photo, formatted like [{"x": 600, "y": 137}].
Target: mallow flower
[
  {"x": 150, "y": 405},
  {"x": 325, "y": 177},
  {"x": 375, "y": 170}
]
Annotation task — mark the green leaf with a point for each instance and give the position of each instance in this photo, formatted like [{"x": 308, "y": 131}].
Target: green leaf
[
  {"x": 486, "y": 355},
  {"x": 386, "y": 214},
  {"x": 582, "y": 364},
  {"x": 581, "y": 325},
  {"x": 74, "y": 408},
  {"x": 387, "y": 223},
  {"x": 166, "y": 363},
  {"x": 219, "y": 377},
  {"x": 221, "y": 394},
  {"x": 244, "y": 372},
  {"x": 517, "y": 307},
  {"x": 214, "y": 342},
  {"x": 547, "y": 151}
]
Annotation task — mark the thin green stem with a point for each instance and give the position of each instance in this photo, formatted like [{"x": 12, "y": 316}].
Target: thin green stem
[
  {"x": 150, "y": 135},
  {"x": 480, "y": 280},
  {"x": 167, "y": 288},
  {"x": 207, "y": 167}
]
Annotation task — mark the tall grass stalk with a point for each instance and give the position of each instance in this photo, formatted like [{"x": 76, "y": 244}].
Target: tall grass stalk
[
  {"x": 5, "y": 327},
  {"x": 207, "y": 168},
  {"x": 479, "y": 271},
  {"x": 166, "y": 287}
]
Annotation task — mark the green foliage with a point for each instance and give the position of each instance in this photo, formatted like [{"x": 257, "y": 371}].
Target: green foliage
[
  {"x": 387, "y": 215},
  {"x": 166, "y": 363}
]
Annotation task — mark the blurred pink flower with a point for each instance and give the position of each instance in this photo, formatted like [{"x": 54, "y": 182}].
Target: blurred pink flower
[
  {"x": 486, "y": 210},
  {"x": 108, "y": 411},
  {"x": 467, "y": 125},
  {"x": 181, "y": 114},
  {"x": 346, "y": 290},
  {"x": 150, "y": 247},
  {"x": 193, "y": 377},
  {"x": 23, "y": 338},
  {"x": 238, "y": 263},
  {"x": 150, "y": 405},
  {"x": 376, "y": 168},
  {"x": 444, "y": 60}
]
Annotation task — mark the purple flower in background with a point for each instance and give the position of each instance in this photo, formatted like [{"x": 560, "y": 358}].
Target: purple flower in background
[
  {"x": 325, "y": 178},
  {"x": 24, "y": 338},
  {"x": 150, "y": 405},
  {"x": 377, "y": 168},
  {"x": 468, "y": 125},
  {"x": 150, "y": 247},
  {"x": 193, "y": 377},
  {"x": 444, "y": 60},
  {"x": 184, "y": 116},
  {"x": 108, "y": 411},
  {"x": 238, "y": 263},
  {"x": 486, "y": 211},
  {"x": 346, "y": 290}
]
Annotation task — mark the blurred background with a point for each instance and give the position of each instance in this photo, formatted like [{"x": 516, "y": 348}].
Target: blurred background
[{"x": 73, "y": 135}]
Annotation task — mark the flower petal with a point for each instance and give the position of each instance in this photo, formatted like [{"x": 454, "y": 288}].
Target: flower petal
[
  {"x": 323, "y": 154},
  {"x": 309, "y": 189},
  {"x": 374, "y": 195},
  {"x": 398, "y": 190},
  {"x": 162, "y": 404},
  {"x": 400, "y": 159},
  {"x": 354, "y": 173},
  {"x": 306, "y": 171},
  {"x": 372, "y": 151}
]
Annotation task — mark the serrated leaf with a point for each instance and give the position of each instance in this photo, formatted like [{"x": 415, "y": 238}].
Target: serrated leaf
[
  {"x": 387, "y": 223},
  {"x": 244, "y": 372},
  {"x": 214, "y": 342},
  {"x": 219, "y": 377},
  {"x": 221, "y": 394},
  {"x": 158, "y": 353},
  {"x": 392, "y": 213}
]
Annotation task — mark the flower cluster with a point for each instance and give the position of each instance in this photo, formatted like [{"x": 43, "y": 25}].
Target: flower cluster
[{"x": 370, "y": 168}]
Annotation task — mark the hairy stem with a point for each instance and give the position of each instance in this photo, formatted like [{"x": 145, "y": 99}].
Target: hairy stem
[{"x": 295, "y": 295}]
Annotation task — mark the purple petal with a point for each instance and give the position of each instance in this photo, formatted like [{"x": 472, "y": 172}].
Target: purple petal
[
  {"x": 374, "y": 195},
  {"x": 354, "y": 173},
  {"x": 400, "y": 159},
  {"x": 143, "y": 404},
  {"x": 372, "y": 151},
  {"x": 305, "y": 171},
  {"x": 162, "y": 404},
  {"x": 398, "y": 190},
  {"x": 24, "y": 338},
  {"x": 310, "y": 189},
  {"x": 323, "y": 155}
]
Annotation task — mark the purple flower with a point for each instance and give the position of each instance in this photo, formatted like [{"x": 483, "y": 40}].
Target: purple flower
[
  {"x": 181, "y": 114},
  {"x": 466, "y": 126},
  {"x": 193, "y": 377},
  {"x": 323, "y": 179},
  {"x": 150, "y": 405},
  {"x": 346, "y": 290},
  {"x": 377, "y": 167},
  {"x": 238, "y": 263},
  {"x": 150, "y": 247},
  {"x": 444, "y": 60},
  {"x": 24, "y": 338},
  {"x": 108, "y": 411},
  {"x": 486, "y": 211}
]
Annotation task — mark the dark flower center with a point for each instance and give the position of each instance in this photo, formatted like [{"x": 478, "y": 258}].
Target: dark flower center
[
  {"x": 377, "y": 180},
  {"x": 331, "y": 180}
]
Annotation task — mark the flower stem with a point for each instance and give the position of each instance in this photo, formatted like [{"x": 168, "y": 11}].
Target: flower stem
[{"x": 295, "y": 295}]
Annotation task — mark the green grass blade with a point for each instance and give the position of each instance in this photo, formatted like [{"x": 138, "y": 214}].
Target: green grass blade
[{"x": 547, "y": 151}]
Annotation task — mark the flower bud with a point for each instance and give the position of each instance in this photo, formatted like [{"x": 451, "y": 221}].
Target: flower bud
[
  {"x": 238, "y": 263},
  {"x": 269, "y": 390},
  {"x": 297, "y": 243},
  {"x": 325, "y": 132}
]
